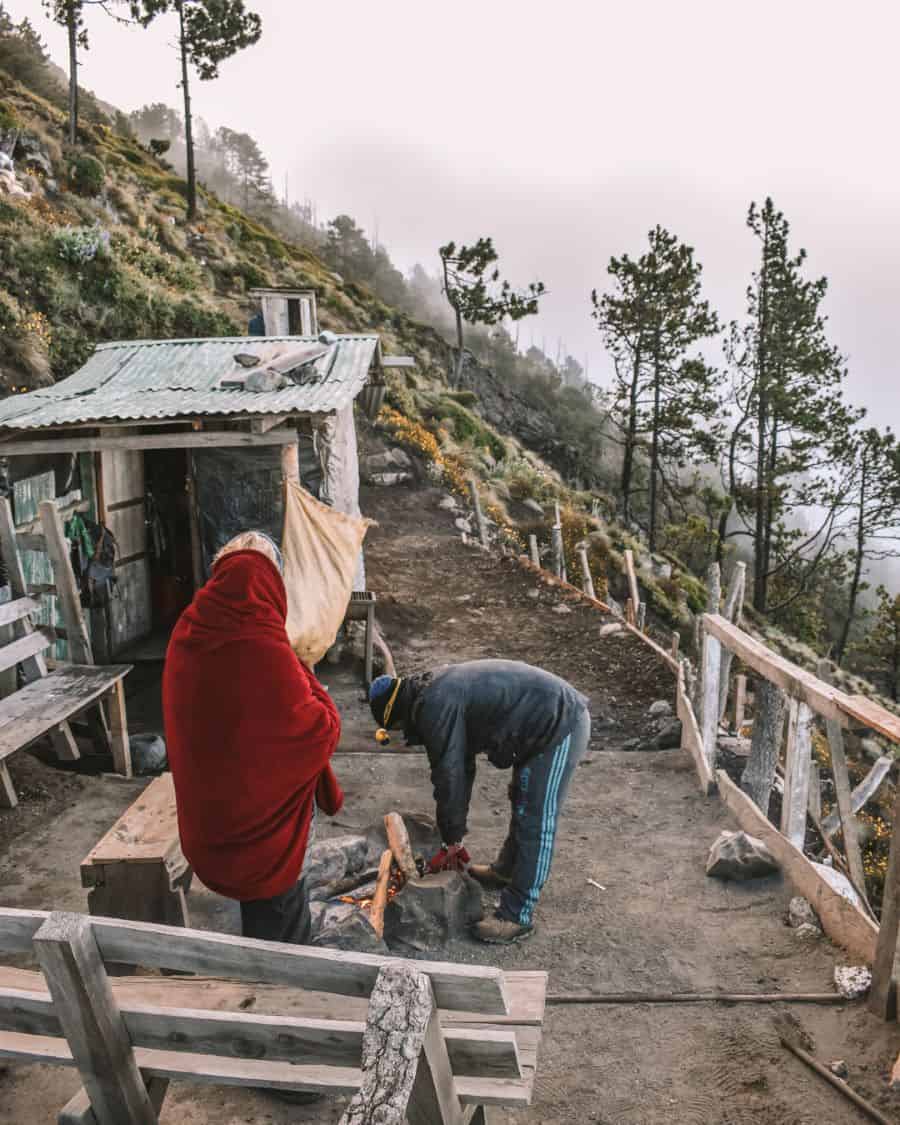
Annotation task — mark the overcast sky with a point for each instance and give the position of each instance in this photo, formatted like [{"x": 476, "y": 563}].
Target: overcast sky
[{"x": 566, "y": 130}]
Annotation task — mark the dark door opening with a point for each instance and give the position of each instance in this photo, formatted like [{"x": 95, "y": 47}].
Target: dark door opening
[{"x": 168, "y": 534}]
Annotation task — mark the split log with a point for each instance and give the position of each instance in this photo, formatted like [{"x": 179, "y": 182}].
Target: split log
[
  {"x": 768, "y": 727},
  {"x": 400, "y": 1010},
  {"x": 398, "y": 842},
  {"x": 379, "y": 900}
]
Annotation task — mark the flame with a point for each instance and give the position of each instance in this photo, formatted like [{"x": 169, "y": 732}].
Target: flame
[{"x": 395, "y": 885}]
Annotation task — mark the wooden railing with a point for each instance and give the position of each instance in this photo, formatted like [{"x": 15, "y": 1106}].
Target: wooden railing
[{"x": 790, "y": 695}]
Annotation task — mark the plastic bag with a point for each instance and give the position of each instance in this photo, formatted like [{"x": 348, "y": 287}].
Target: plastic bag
[{"x": 321, "y": 548}]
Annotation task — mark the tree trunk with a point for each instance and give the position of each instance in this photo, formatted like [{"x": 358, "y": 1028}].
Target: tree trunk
[
  {"x": 768, "y": 727},
  {"x": 630, "y": 438},
  {"x": 762, "y": 411},
  {"x": 772, "y": 462},
  {"x": 857, "y": 569},
  {"x": 72, "y": 29},
  {"x": 188, "y": 125},
  {"x": 654, "y": 449},
  {"x": 458, "y": 369}
]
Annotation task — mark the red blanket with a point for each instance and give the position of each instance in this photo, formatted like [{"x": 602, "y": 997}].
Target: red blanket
[{"x": 249, "y": 732}]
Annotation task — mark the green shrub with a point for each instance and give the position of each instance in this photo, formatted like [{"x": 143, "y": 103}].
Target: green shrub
[
  {"x": 8, "y": 118},
  {"x": 87, "y": 175},
  {"x": 80, "y": 245}
]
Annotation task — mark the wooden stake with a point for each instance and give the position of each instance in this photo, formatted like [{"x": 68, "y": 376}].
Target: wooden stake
[
  {"x": 838, "y": 1083},
  {"x": 641, "y": 618},
  {"x": 587, "y": 582},
  {"x": 533, "y": 549},
  {"x": 883, "y": 993},
  {"x": 398, "y": 842},
  {"x": 740, "y": 702},
  {"x": 632, "y": 580},
  {"x": 479, "y": 515},
  {"x": 797, "y": 762},
  {"x": 629, "y": 611},
  {"x": 709, "y": 718},
  {"x": 676, "y": 644},
  {"x": 379, "y": 901}
]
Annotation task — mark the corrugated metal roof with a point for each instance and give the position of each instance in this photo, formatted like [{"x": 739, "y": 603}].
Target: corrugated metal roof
[{"x": 144, "y": 379}]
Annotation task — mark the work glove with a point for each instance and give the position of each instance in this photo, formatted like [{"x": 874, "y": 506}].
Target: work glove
[{"x": 452, "y": 858}]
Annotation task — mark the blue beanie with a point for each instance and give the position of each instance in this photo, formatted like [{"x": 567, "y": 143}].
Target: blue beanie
[{"x": 380, "y": 686}]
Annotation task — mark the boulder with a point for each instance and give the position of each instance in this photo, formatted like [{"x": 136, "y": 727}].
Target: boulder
[
  {"x": 807, "y": 932},
  {"x": 344, "y": 926},
  {"x": 736, "y": 855},
  {"x": 800, "y": 913},
  {"x": 30, "y": 153},
  {"x": 871, "y": 749},
  {"x": 610, "y": 630},
  {"x": 561, "y": 607},
  {"x": 429, "y": 912},
  {"x": 660, "y": 707},
  {"x": 448, "y": 504},
  {"x": 839, "y": 1069},
  {"x": 669, "y": 736},
  {"x": 462, "y": 525},
  {"x": 388, "y": 479},
  {"x": 332, "y": 859},
  {"x": 148, "y": 753},
  {"x": 852, "y": 981},
  {"x": 387, "y": 461}
]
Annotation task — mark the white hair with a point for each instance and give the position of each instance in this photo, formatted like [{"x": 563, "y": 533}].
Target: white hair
[{"x": 249, "y": 541}]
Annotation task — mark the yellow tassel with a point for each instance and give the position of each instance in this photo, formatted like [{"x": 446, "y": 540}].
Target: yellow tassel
[{"x": 382, "y": 736}]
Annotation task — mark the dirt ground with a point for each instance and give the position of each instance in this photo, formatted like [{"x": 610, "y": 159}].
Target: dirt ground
[{"x": 634, "y": 823}]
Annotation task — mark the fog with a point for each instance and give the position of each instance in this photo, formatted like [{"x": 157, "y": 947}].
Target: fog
[{"x": 566, "y": 131}]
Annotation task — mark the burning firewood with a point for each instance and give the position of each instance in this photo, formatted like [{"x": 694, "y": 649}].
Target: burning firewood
[
  {"x": 398, "y": 842},
  {"x": 379, "y": 902}
]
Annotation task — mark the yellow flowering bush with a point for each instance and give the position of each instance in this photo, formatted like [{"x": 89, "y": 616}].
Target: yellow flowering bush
[{"x": 37, "y": 325}]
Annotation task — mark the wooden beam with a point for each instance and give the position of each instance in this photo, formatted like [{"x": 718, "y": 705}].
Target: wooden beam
[
  {"x": 118, "y": 730},
  {"x": 189, "y": 439},
  {"x": 734, "y": 604},
  {"x": 883, "y": 993},
  {"x": 90, "y": 1018},
  {"x": 587, "y": 582},
  {"x": 632, "y": 580},
  {"x": 862, "y": 794},
  {"x": 468, "y": 988},
  {"x": 798, "y": 758},
  {"x": 479, "y": 515},
  {"x": 709, "y": 716},
  {"x": 871, "y": 714},
  {"x": 77, "y": 1111},
  {"x": 16, "y": 610},
  {"x": 740, "y": 702},
  {"x": 845, "y": 923},
  {"x": 790, "y": 678},
  {"x": 533, "y": 550},
  {"x": 17, "y": 652},
  {"x": 269, "y": 422},
  {"x": 379, "y": 898},
  {"x": 434, "y": 1099},
  {"x": 691, "y": 739},
  {"x": 77, "y": 636}
]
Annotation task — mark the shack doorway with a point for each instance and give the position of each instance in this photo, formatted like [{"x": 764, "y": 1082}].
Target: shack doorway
[{"x": 168, "y": 516}]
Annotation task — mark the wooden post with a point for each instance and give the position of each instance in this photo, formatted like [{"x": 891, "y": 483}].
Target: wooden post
[
  {"x": 587, "y": 582},
  {"x": 713, "y": 589},
  {"x": 842, "y": 790},
  {"x": 734, "y": 604},
  {"x": 479, "y": 515},
  {"x": 641, "y": 617},
  {"x": 558, "y": 537},
  {"x": 194, "y": 518},
  {"x": 709, "y": 720},
  {"x": 815, "y": 794},
  {"x": 797, "y": 762},
  {"x": 406, "y": 1072},
  {"x": 632, "y": 580},
  {"x": 676, "y": 644},
  {"x": 533, "y": 549},
  {"x": 78, "y": 1110},
  {"x": 740, "y": 702},
  {"x": 629, "y": 611},
  {"x": 118, "y": 731},
  {"x": 765, "y": 745},
  {"x": 883, "y": 993},
  {"x": 84, "y": 1003}
]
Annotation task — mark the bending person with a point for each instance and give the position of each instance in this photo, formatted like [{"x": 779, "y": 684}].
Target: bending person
[
  {"x": 250, "y": 733},
  {"x": 521, "y": 718}
]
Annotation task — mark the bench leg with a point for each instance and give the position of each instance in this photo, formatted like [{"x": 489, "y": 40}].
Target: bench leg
[
  {"x": 118, "y": 731},
  {"x": 78, "y": 1110},
  {"x": 64, "y": 745},
  {"x": 8, "y": 798}
]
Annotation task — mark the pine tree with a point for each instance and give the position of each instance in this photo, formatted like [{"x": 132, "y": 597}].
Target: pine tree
[
  {"x": 666, "y": 397},
  {"x": 791, "y": 425},
  {"x": 209, "y": 32},
  {"x": 477, "y": 295},
  {"x": 873, "y": 512},
  {"x": 878, "y": 655}
]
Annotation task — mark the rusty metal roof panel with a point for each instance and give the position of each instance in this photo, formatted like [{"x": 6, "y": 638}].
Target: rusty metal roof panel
[{"x": 156, "y": 379}]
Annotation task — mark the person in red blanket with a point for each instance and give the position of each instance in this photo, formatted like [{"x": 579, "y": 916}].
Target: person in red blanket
[{"x": 250, "y": 734}]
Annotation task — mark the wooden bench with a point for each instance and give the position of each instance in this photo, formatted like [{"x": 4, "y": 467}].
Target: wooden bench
[
  {"x": 316, "y": 1022},
  {"x": 137, "y": 870},
  {"x": 49, "y": 700}
]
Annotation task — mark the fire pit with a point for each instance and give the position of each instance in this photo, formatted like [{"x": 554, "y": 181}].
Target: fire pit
[{"x": 396, "y": 907}]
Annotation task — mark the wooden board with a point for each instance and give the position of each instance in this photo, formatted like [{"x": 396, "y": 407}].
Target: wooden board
[
  {"x": 461, "y": 987},
  {"x": 43, "y": 704},
  {"x": 79, "y": 442},
  {"x": 16, "y": 652},
  {"x": 692, "y": 741},
  {"x": 790, "y": 678},
  {"x": 844, "y": 923},
  {"x": 872, "y": 715},
  {"x": 16, "y": 610},
  {"x": 146, "y": 832}
]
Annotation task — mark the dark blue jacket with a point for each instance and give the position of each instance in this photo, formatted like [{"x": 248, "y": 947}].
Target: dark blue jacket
[{"x": 505, "y": 709}]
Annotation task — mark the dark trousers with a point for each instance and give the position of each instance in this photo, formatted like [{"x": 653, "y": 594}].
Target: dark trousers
[
  {"x": 285, "y": 917},
  {"x": 537, "y": 794}
]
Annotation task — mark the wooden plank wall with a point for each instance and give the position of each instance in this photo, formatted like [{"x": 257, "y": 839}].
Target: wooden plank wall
[{"x": 122, "y": 510}]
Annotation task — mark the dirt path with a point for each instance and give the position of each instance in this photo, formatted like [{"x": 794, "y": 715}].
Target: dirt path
[{"x": 635, "y": 823}]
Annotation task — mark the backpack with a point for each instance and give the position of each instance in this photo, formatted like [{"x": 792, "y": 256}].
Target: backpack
[{"x": 93, "y": 555}]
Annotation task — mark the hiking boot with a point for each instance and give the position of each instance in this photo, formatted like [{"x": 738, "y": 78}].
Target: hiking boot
[
  {"x": 488, "y": 876},
  {"x": 501, "y": 931}
]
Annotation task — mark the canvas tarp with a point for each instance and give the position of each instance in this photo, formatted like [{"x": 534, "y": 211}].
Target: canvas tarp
[{"x": 321, "y": 551}]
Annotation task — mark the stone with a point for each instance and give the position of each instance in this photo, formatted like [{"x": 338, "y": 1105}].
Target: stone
[
  {"x": 660, "y": 707},
  {"x": 852, "y": 981},
  {"x": 388, "y": 460},
  {"x": 610, "y": 630},
  {"x": 807, "y": 932},
  {"x": 401, "y": 458},
  {"x": 871, "y": 749},
  {"x": 389, "y": 479},
  {"x": 430, "y": 912},
  {"x": 335, "y": 858},
  {"x": 533, "y": 594},
  {"x": 148, "y": 753},
  {"x": 839, "y": 1069},
  {"x": 263, "y": 382},
  {"x": 669, "y": 736},
  {"x": 462, "y": 525},
  {"x": 344, "y": 926},
  {"x": 560, "y": 607},
  {"x": 839, "y": 882},
  {"x": 800, "y": 913},
  {"x": 533, "y": 506},
  {"x": 739, "y": 856},
  {"x": 448, "y": 504},
  {"x": 5, "y": 162}
]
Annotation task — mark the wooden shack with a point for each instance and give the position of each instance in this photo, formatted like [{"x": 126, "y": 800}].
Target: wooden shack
[{"x": 176, "y": 445}]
